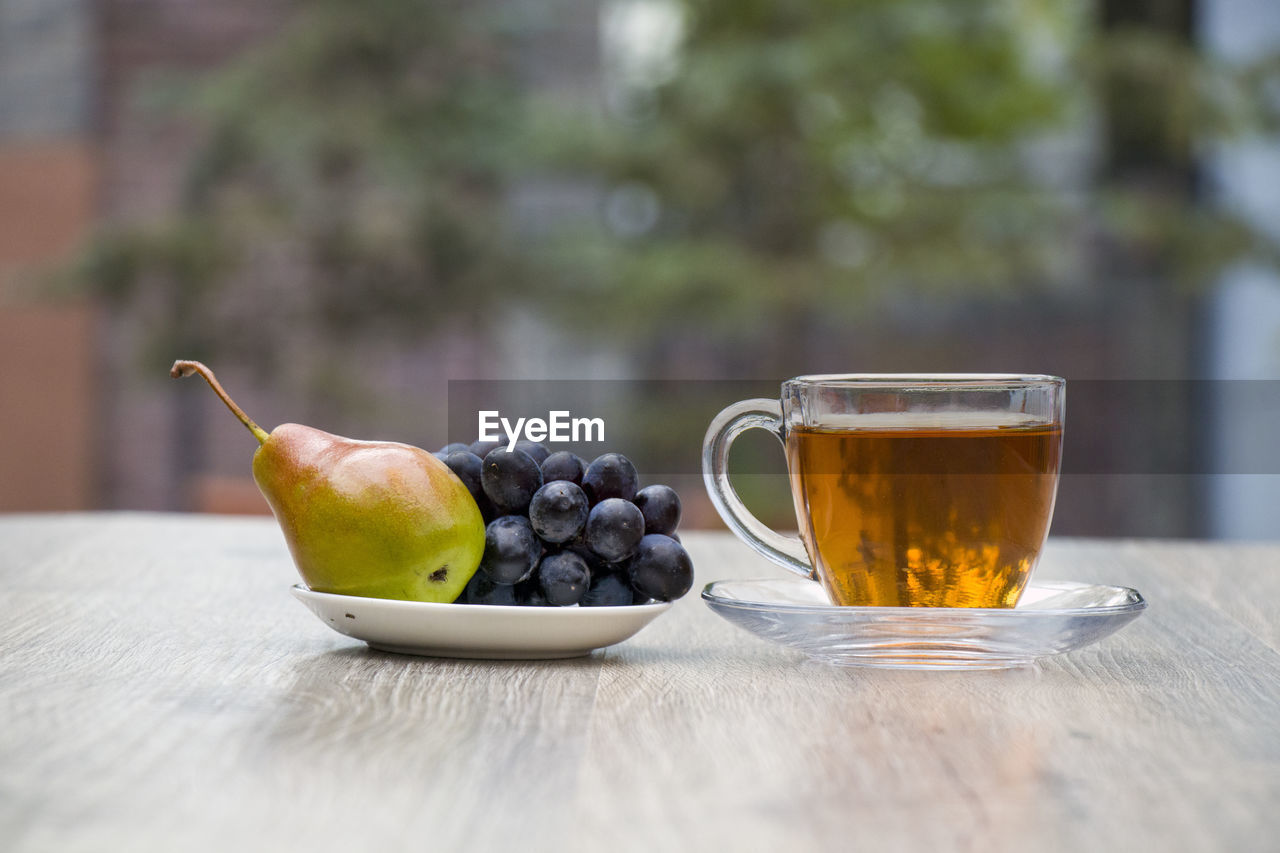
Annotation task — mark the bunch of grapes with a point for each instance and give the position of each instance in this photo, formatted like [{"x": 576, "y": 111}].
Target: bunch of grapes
[{"x": 560, "y": 531}]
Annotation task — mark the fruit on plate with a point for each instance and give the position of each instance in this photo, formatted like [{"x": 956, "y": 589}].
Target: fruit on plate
[
  {"x": 565, "y": 532},
  {"x": 377, "y": 519},
  {"x": 660, "y": 568}
]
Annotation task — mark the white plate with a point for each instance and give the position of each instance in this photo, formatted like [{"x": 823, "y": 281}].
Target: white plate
[
  {"x": 1052, "y": 617},
  {"x": 478, "y": 630}
]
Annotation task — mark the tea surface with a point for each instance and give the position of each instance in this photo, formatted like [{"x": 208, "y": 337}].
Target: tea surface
[{"x": 947, "y": 511}]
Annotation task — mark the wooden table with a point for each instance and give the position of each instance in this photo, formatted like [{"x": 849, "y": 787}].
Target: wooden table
[{"x": 161, "y": 690}]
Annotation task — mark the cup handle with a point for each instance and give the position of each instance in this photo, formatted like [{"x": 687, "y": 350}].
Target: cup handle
[{"x": 786, "y": 551}]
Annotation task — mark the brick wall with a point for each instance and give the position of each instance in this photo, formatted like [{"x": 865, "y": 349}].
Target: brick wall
[
  {"x": 48, "y": 183},
  {"x": 143, "y": 43},
  {"x": 78, "y": 145}
]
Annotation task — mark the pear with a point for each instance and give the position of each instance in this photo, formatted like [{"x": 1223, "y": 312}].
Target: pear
[{"x": 377, "y": 519}]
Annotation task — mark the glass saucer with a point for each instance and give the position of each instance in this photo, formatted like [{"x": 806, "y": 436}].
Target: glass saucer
[{"x": 1052, "y": 617}]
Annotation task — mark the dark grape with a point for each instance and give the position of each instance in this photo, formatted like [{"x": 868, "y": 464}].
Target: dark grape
[
  {"x": 563, "y": 578},
  {"x": 660, "y": 506},
  {"x": 661, "y": 568},
  {"x": 563, "y": 465},
  {"x": 594, "y": 561},
  {"x": 483, "y": 448},
  {"x": 614, "y": 529},
  {"x": 558, "y": 511},
  {"x": 509, "y": 478},
  {"x": 561, "y": 532},
  {"x": 511, "y": 550},
  {"x": 529, "y": 593},
  {"x": 539, "y": 452},
  {"x": 481, "y": 590},
  {"x": 610, "y": 476},
  {"x": 608, "y": 590},
  {"x": 467, "y": 466}
]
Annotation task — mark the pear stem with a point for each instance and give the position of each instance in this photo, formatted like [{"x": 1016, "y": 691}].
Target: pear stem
[{"x": 186, "y": 368}]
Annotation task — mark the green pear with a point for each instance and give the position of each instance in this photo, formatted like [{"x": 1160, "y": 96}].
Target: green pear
[{"x": 377, "y": 519}]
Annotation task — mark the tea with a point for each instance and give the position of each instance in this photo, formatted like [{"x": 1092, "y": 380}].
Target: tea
[{"x": 928, "y": 509}]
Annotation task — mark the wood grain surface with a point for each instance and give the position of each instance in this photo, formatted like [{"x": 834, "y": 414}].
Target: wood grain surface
[{"x": 160, "y": 690}]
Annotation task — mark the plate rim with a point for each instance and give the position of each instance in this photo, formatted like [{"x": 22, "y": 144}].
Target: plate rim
[
  {"x": 301, "y": 591},
  {"x": 1135, "y": 606},
  {"x": 475, "y": 631}
]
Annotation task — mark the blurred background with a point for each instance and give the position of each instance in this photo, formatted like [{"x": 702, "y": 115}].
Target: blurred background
[{"x": 358, "y": 213}]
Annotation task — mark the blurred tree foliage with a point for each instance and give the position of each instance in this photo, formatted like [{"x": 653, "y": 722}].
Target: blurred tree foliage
[
  {"x": 796, "y": 159},
  {"x": 750, "y": 166},
  {"x": 350, "y": 185}
]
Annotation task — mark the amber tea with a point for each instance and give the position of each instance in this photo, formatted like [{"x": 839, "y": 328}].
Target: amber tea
[
  {"x": 912, "y": 490},
  {"x": 922, "y": 508}
]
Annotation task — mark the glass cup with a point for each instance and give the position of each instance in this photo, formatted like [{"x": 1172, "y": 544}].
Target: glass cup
[{"x": 910, "y": 490}]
